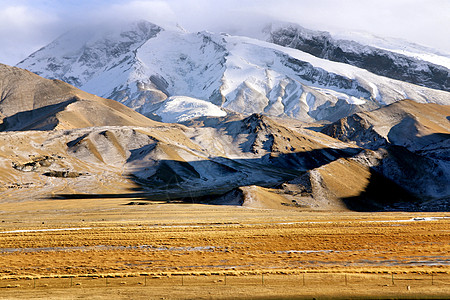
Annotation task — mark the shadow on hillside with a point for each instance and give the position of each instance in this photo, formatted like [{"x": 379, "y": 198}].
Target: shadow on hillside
[
  {"x": 42, "y": 118},
  {"x": 217, "y": 181},
  {"x": 417, "y": 171},
  {"x": 205, "y": 181},
  {"x": 381, "y": 194}
]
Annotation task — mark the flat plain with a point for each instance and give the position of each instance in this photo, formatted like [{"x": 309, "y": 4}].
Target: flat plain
[{"x": 96, "y": 248}]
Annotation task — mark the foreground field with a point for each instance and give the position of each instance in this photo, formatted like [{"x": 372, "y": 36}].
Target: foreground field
[{"x": 63, "y": 248}]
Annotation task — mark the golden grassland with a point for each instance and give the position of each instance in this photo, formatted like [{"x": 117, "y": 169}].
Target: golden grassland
[{"x": 189, "y": 250}]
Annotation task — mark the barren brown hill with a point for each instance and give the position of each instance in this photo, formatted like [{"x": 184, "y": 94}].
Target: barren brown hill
[
  {"x": 241, "y": 162},
  {"x": 234, "y": 160},
  {"x": 30, "y": 102},
  {"x": 404, "y": 123}
]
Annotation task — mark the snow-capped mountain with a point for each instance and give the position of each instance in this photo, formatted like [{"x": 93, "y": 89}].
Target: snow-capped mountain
[
  {"x": 83, "y": 54},
  {"x": 143, "y": 65},
  {"x": 392, "y": 58}
]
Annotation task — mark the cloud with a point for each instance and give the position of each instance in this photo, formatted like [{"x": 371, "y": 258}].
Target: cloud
[
  {"x": 30, "y": 24},
  {"x": 158, "y": 12},
  {"x": 22, "y": 31},
  {"x": 422, "y": 21}
]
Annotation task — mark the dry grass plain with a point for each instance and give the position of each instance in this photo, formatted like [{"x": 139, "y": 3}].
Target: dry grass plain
[{"x": 103, "y": 248}]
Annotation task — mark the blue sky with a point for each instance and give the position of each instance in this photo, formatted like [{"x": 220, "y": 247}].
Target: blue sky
[{"x": 27, "y": 25}]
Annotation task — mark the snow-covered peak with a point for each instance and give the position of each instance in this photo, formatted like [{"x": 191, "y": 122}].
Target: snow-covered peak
[
  {"x": 80, "y": 54},
  {"x": 361, "y": 39},
  {"x": 191, "y": 63}
]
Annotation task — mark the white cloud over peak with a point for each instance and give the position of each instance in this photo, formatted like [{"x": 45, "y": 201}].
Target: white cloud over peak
[{"x": 158, "y": 12}]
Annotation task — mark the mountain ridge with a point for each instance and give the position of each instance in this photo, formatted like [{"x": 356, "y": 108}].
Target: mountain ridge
[
  {"x": 241, "y": 74},
  {"x": 381, "y": 61}
]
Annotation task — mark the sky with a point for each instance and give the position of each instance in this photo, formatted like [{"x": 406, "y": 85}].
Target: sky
[{"x": 28, "y": 25}]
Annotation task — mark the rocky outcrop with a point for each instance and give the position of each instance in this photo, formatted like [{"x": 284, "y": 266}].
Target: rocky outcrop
[{"x": 381, "y": 62}]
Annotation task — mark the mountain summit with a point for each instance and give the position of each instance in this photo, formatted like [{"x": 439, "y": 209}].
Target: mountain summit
[
  {"x": 391, "y": 58},
  {"x": 143, "y": 65}
]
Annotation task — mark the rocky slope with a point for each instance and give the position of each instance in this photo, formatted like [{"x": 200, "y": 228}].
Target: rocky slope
[
  {"x": 143, "y": 65},
  {"x": 405, "y": 123},
  {"x": 394, "y": 59}
]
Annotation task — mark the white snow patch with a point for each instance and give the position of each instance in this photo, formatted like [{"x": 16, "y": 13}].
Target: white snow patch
[
  {"x": 180, "y": 108},
  {"x": 416, "y": 219}
]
